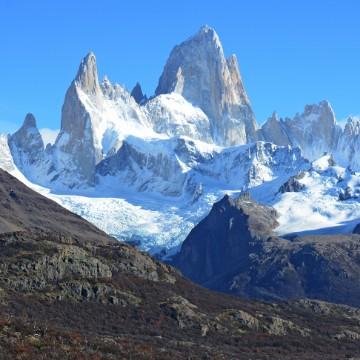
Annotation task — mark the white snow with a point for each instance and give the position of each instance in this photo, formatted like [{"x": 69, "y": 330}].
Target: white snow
[
  {"x": 172, "y": 115},
  {"x": 49, "y": 135},
  {"x": 317, "y": 208}
]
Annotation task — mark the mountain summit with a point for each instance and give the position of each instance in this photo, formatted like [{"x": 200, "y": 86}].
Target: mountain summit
[{"x": 198, "y": 70}]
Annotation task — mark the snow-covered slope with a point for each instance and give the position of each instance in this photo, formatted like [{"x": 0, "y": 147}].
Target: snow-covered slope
[
  {"x": 328, "y": 201},
  {"x": 172, "y": 115}
]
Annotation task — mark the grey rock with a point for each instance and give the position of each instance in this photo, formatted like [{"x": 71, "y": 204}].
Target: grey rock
[
  {"x": 75, "y": 140},
  {"x": 197, "y": 69},
  {"x": 26, "y": 145},
  {"x": 314, "y": 131}
]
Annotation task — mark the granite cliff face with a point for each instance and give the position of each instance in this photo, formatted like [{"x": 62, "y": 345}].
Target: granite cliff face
[
  {"x": 314, "y": 131},
  {"x": 75, "y": 143},
  {"x": 197, "y": 70}
]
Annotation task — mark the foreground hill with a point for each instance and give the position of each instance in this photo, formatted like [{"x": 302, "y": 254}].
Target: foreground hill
[
  {"x": 68, "y": 291},
  {"x": 235, "y": 250}
]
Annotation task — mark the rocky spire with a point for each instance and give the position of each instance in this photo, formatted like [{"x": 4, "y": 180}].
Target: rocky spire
[
  {"x": 26, "y": 144},
  {"x": 197, "y": 69},
  {"x": 138, "y": 94},
  {"x": 76, "y": 134},
  {"x": 87, "y": 75}
]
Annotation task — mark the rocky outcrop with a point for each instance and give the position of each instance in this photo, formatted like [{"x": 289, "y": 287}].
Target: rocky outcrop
[
  {"x": 234, "y": 250},
  {"x": 293, "y": 184},
  {"x": 197, "y": 70},
  {"x": 227, "y": 232}
]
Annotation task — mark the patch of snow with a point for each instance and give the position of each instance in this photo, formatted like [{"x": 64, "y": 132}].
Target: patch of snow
[{"x": 49, "y": 135}]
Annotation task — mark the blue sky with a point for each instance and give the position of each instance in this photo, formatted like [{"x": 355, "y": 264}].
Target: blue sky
[{"x": 290, "y": 52}]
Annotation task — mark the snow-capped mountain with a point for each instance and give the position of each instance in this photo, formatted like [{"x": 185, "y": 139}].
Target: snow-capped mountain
[
  {"x": 198, "y": 70},
  {"x": 147, "y": 170}
]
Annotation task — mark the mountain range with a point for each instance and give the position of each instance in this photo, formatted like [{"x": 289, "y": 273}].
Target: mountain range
[{"x": 146, "y": 170}]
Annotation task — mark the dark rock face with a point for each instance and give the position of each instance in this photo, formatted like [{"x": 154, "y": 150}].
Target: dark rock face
[
  {"x": 221, "y": 242},
  {"x": 233, "y": 250},
  {"x": 346, "y": 194},
  {"x": 292, "y": 185},
  {"x": 138, "y": 94}
]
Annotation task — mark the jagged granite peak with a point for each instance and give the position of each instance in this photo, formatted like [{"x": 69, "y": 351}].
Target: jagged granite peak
[
  {"x": 314, "y": 131},
  {"x": 95, "y": 119},
  {"x": 198, "y": 70},
  {"x": 26, "y": 144},
  {"x": 30, "y": 121},
  {"x": 138, "y": 94},
  {"x": 75, "y": 142},
  {"x": 274, "y": 130},
  {"x": 87, "y": 75}
]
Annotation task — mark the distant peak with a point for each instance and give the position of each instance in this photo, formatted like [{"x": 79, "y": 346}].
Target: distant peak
[
  {"x": 274, "y": 116},
  {"x": 207, "y": 32},
  {"x": 87, "y": 63},
  {"x": 138, "y": 94},
  {"x": 322, "y": 106},
  {"x": 30, "y": 121}
]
